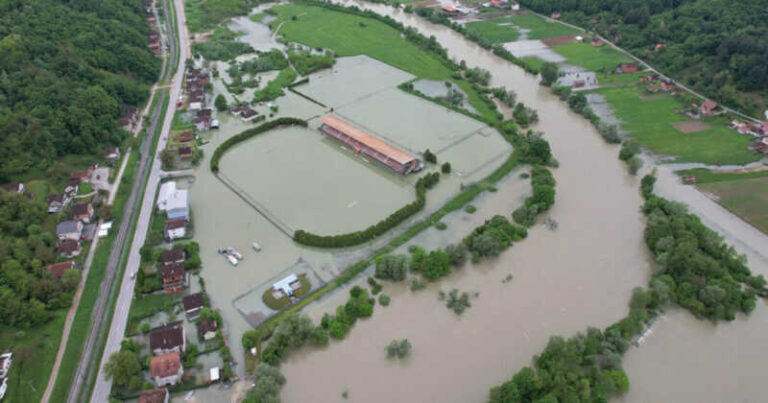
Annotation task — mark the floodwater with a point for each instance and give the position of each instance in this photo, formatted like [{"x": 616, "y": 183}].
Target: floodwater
[{"x": 579, "y": 275}]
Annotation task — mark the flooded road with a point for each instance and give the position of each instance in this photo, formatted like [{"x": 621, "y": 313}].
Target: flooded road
[{"x": 581, "y": 274}]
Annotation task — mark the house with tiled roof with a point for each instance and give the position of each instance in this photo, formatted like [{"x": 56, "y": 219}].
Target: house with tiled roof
[
  {"x": 166, "y": 369},
  {"x": 168, "y": 338}
]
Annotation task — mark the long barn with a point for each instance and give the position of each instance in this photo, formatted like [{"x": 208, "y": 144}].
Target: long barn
[{"x": 363, "y": 142}]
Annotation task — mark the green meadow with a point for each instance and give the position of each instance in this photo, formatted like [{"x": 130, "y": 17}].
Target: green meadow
[
  {"x": 603, "y": 58},
  {"x": 493, "y": 31}
]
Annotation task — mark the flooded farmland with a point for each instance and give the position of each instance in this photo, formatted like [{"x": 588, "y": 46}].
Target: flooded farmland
[{"x": 579, "y": 275}]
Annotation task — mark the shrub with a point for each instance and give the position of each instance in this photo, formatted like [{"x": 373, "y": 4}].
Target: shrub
[
  {"x": 318, "y": 336},
  {"x": 470, "y": 209},
  {"x": 398, "y": 348},
  {"x": 446, "y": 168},
  {"x": 417, "y": 284},
  {"x": 391, "y": 267},
  {"x": 384, "y": 300},
  {"x": 430, "y": 157},
  {"x": 441, "y": 225}
]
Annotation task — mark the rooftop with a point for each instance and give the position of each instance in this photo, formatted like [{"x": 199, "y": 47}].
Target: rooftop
[
  {"x": 193, "y": 301},
  {"x": 172, "y": 255},
  {"x": 57, "y": 270},
  {"x": 167, "y": 337},
  {"x": 165, "y": 365},
  {"x": 369, "y": 140},
  {"x": 153, "y": 396}
]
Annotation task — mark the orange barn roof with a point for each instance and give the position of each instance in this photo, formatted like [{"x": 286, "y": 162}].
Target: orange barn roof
[{"x": 392, "y": 152}]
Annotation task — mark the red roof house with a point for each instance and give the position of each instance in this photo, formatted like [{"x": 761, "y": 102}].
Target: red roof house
[{"x": 57, "y": 270}]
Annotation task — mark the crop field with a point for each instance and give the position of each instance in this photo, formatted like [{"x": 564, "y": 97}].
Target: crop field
[
  {"x": 650, "y": 123},
  {"x": 350, "y": 35}
]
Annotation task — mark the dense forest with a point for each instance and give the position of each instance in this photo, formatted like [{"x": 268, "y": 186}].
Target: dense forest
[
  {"x": 66, "y": 70},
  {"x": 719, "y": 47}
]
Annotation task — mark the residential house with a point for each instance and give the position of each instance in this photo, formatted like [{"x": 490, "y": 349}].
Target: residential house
[
  {"x": 185, "y": 153},
  {"x": 237, "y": 110},
  {"x": 72, "y": 187},
  {"x": 708, "y": 107},
  {"x": 57, "y": 202},
  {"x": 174, "y": 277},
  {"x": 186, "y": 136},
  {"x": 666, "y": 86},
  {"x": 627, "y": 68},
  {"x": 193, "y": 304},
  {"x": 515, "y": 6},
  {"x": 207, "y": 329},
  {"x": 248, "y": 114},
  {"x": 154, "y": 396},
  {"x": 69, "y": 230},
  {"x": 80, "y": 176},
  {"x": 555, "y": 15},
  {"x": 6, "y": 360},
  {"x": 172, "y": 256},
  {"x": 57, "y": 270},
  {"x": 112, "y": 155},
  {"x": 175, "y": 228},
  {"x": 68, "y": 248},
  {"x": 82, "y": 212},
  {"x": 596, "y": 42},
  {"x": 5, "y": 367},
  {"x": 761, "y": 145},
  {"x": 166, "y": 369},
  {"x": 13, "y": 187},
  {"x": 168, "y": 338},
  {"x": 453, "y": 10}
]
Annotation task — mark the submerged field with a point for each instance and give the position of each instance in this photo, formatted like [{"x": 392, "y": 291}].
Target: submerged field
[{"x": 350, "y": 35}]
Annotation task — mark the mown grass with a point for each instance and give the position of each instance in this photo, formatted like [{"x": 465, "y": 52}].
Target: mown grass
[
  {"x": 650, "y": 122},
  {"x": 493, "y": 31},
  {"x": 351, "y": 35},
  {"x": 540, "y": 28},
  {"x": 592, "y": 58},
  {"x": 747, "y": 198}
]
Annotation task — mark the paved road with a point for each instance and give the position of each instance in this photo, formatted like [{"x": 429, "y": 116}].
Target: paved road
[
  {"x": 103, "y": 386},
  {"x": 90, "y": 361}
]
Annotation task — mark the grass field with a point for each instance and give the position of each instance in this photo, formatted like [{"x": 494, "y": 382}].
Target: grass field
[
  {"x": 540, "y": 28},
  {"x": 590, "y": 57},
  {"x": 650, "y": 122},
  {"x": 34, "y": 351},
  {"x": 350, "y": 35},
  {"x": 203, "y": 15},
  {"x": 492, "y": 31},
  {"x": 747, "y": 198}
]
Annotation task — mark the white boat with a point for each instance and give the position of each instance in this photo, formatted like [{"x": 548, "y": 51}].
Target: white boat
[
  {"x": 256, "y": 246},
  {"x": 232, "y": 260}
]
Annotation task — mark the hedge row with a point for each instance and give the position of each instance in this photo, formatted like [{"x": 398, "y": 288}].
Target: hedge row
[
  {"x": 358, "y": 237},
  {"x": 220, "y": 150}
]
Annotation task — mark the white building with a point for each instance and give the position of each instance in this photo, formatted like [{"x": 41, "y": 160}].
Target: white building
[{"x": 175, "y": 202}]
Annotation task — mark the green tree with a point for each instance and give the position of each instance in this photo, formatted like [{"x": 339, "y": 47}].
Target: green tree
[
  {"x": 549, "y": 73},
  {"x": 446, "y": 168},
  {"x": 391, "y": 267},
  {"x": 122, "y": 366},
  {"x": 220, "y": 103}
]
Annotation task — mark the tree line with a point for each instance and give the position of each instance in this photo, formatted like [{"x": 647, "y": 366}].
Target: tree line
[{"x": 67, "y": 69}]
